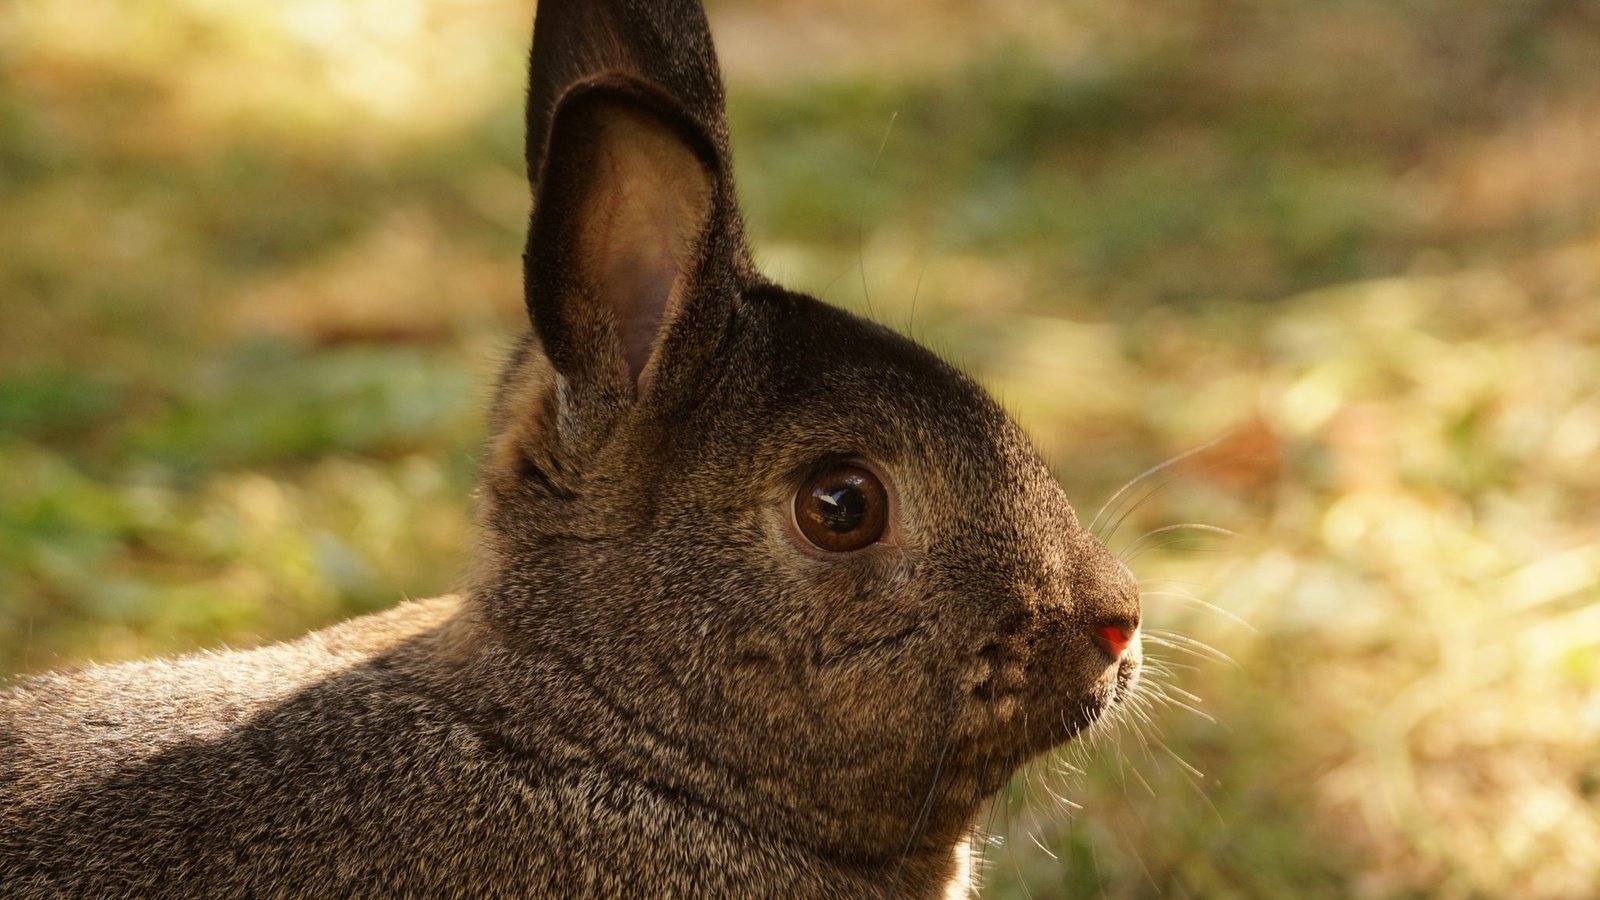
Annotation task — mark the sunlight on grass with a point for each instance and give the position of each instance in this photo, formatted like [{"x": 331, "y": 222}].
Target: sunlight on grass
[{"x": 258, "y": 262}]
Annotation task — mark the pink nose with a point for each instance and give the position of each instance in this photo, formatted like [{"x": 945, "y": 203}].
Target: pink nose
[{"x": 1114, "y": 638}]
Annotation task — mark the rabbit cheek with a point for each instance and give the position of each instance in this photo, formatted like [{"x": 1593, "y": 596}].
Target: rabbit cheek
[{"x": 1036, "y": 686}]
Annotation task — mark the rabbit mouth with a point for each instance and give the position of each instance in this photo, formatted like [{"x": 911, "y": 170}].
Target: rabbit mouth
[
  {"x": 1110, "y": 692},
  {"x": 1028, "y": 710},
  {"x": 1128, "y": 670}
]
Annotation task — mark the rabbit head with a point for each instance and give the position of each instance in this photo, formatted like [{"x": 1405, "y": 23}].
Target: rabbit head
[{"x": 773, "y": 531}]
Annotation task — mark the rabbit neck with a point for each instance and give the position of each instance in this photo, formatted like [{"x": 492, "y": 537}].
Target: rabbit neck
[{"x": 549, "y": 715}]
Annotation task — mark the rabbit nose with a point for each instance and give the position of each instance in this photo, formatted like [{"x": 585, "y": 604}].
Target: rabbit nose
[{"x": 1114, "y": 635}]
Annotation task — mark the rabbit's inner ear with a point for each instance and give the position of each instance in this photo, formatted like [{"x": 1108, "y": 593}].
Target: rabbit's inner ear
[
  {"x": 618, "y": 229},
  {"x": 639, "y": 232}
]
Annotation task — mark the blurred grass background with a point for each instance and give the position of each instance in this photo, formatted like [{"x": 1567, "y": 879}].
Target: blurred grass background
[{"x": 258, "y": 261}]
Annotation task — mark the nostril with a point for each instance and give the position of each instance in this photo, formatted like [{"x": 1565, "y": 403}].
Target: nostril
[{"x": 1114, "y": 635}]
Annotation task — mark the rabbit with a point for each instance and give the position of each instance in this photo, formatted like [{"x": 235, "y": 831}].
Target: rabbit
[{"x": 768, "y": 600}]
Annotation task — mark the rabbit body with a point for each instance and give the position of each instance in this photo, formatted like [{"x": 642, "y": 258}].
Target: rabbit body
[
  {"x": 346, "y": 764},
  {"x": 768, "y": 601}
]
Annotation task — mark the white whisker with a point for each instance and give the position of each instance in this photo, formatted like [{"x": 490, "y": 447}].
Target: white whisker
[
  {"x": 1153, "y": 470},
  {"x": 1177, "y": 543},
  {"x": 1183, "y": 642},
  {"x": 1182, "y": 526},
  {"x": 1203, "y": 604}
]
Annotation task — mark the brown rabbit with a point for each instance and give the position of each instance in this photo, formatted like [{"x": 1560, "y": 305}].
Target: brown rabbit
[{"x": 769, "y": 600}]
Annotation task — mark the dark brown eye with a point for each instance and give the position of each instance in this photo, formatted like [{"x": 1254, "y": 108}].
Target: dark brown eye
[{"x": 842, "y": 508}]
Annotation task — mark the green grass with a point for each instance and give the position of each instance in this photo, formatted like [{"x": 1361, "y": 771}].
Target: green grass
[{"x": 253, "y": 306}]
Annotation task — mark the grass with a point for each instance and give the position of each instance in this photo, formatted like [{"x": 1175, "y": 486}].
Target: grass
[{"x": 257, "y": 262}]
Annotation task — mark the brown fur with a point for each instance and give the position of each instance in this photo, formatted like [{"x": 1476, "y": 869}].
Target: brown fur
[{"x": 651, "y": 686}]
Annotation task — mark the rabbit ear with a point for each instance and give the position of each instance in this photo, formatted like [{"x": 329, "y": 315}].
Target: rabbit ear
[
  {"x": 633, "y": 207},
  {"x": 621, "y": 233}
]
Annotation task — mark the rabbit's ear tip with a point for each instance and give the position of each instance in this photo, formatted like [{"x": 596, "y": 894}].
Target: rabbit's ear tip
[{"x": 665, "y": 43}]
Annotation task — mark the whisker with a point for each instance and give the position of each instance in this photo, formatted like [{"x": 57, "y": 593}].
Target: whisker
[
  {"x": 1182, "y": 693},
  {"x": 1157, "y": 468},
  {"x": 1138, "y": 776},
  {"x": 861, "y": 215},
  {"x": 916, "y": 290},
  {"x": 1062, "y": 801},
  {"x": 1161, "y": 667},
  {"x": 1123, "y": 516},
  {"x": 1002, "y": 797},
  {"x": 1179, "y": 759},
  {"x": 1183, "y": 642},
  {"x": 927, "y": 806},
  {"x": 1066, "y": 768},
  {"x": 1181, "y": 543},
  {"x": 1155, "y": 640},
  {"x": 1167, "y": 700},
  {"x": 1137, "y": 856},
  {"x": 1040, "y": 844},
  {"x": 1182, "y": 526},
  {"x": 1194, "y": 783},
  {"x": 1203, "y": 604}
]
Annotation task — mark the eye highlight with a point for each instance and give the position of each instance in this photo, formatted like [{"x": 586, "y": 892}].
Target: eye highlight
[{"x": 842, "y": 508}]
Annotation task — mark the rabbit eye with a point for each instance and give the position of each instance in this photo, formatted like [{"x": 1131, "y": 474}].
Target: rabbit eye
[{"x": 842, "y": 508}]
